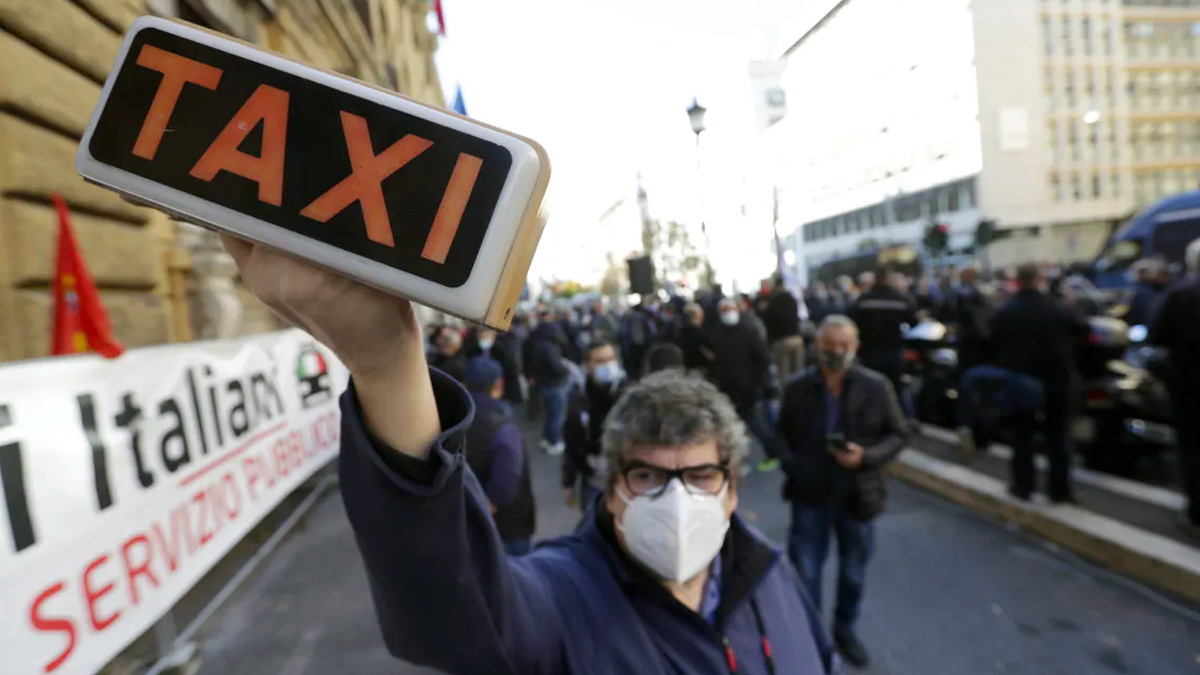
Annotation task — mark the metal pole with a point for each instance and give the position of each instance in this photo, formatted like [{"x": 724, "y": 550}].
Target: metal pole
[
  {"x": 779, "y": 264},
  {"x": 708, "y": 270}
]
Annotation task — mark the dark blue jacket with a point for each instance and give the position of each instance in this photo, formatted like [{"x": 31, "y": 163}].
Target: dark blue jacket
[
  {"x": 447, "y": 596},
  {"x": 1147, "y": 298},
  {"x": 544, "y": 356}
]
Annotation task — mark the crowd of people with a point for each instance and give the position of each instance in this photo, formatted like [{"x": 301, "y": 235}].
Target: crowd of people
[
  {"x": 651, "y": 411},
  {"x": 1013, "y": 331}
]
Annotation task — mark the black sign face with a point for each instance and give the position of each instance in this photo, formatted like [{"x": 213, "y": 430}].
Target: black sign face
[{"x": 397, "y": 189}]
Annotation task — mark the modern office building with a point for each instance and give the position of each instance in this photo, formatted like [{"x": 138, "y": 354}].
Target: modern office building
[{"x": 1055, "y": 118}]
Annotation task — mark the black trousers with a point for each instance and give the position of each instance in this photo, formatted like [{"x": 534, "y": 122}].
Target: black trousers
[
  {"x": 1057, "y": 428},
  {"x": 1186, "y": 405}
]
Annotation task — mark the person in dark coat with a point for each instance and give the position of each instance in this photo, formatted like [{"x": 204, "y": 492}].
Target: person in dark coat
[
  {"x": 841, "y": 424},
  {"x": 782, "y": 319},
  {"x": 639, "y": 330},
  {"x": 504, "y": 349},
  {"x": 545, "y": 367},
  {"x": 450, "y": 357},
  {"x": 694, "y": 340},
  {"x": 1148, "y": 293},
  {"x": 1177, "y": 327},
  {"x": 583, "y": 472},
  {"x": 969, "y": 308},
  {"x": 664, "y": 356},
  {"x": 1033, "y": 336},
  {"x": 821, "y": 302},
  {"x": 497, "y": 457},
  {"x": 742, "y": 370},
  {"x": 571, "y": 332},
  {"x": 880, "y": 314},
  {"x": 625, "y": 594},
  {"x": 667, "y": 323}
]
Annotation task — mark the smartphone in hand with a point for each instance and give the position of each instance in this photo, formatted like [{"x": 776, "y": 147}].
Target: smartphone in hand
[{"x": 837, "y": 442}]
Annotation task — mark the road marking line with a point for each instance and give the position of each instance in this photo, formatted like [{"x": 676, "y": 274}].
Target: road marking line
[{"x": 1149, "y": 494}]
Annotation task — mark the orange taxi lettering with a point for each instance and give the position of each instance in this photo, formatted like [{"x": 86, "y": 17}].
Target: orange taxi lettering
[
  {"x": 450, "y": 211},
  {"x": 177, "y": 71},
  {"x": 269, "y": 106},
  {"x": 364, "y": 182}
]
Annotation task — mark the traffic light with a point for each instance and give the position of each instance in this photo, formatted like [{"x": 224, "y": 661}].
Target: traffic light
[
  {"x": 985, "y": 233},
  {"x": 937, "y": 238}
]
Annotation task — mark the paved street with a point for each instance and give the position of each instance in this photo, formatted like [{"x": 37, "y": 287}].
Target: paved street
[{"x": 949, "y": 593}]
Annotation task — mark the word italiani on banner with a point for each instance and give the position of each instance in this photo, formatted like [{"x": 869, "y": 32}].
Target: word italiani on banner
[
  {"x": 125, "y": 481},
  {"x": 80, "y": 322}
]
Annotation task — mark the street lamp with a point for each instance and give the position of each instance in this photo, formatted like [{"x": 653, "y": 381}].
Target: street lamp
[{"x": 696, "y": 117}]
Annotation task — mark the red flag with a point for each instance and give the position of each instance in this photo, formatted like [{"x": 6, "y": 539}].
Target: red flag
[
  {"x": 441, "y": 18},
  {"x": 80, "y": 322}
]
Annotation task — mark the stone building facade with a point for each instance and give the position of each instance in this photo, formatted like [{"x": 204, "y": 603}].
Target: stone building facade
[{"x": 161, "y": 281}]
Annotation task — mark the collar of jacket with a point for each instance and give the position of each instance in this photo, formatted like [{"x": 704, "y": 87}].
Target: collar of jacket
[
  {"x": 816, "y": 380},
  {"x": 745, "y": 559}
]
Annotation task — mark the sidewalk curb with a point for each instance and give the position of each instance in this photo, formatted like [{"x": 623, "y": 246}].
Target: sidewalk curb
[{"x": 1149, "y": 558}]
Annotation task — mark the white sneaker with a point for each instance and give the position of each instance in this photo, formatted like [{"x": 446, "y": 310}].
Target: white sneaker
[{"x": 556, "y": 449}]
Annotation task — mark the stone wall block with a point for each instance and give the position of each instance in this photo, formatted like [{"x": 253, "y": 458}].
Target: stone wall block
[
  {"x": 36, "y": 161},
  {"x": 64, "y": 30},
  {"x": 117, "y": 253}
]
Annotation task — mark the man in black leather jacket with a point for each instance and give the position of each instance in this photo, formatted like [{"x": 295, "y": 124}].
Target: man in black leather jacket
[{"x": 841, "y": 424}]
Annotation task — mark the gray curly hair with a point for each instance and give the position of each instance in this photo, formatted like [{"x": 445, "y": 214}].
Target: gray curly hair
[{"x": 672, "y": 409}]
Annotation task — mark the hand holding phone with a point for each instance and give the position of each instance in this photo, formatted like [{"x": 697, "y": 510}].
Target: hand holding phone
[
  {"x": 849, "y": 455},
  {"x": 836, "y": 442}
]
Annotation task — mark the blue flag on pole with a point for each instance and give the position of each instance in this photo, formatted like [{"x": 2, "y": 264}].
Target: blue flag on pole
[{"x": 458, "y": 106}]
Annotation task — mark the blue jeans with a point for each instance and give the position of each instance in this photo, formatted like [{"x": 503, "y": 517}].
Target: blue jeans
[
  {"x": 808, "y": 546},
  {"x": 518, "y": 546},
  {"x": 554, "y": 400}
]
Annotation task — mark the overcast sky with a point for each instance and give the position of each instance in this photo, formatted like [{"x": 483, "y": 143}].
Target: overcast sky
[{"x": 604, "y": 85}]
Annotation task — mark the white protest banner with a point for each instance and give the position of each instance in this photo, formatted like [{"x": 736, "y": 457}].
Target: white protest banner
[{"x": 125, "y": 481}]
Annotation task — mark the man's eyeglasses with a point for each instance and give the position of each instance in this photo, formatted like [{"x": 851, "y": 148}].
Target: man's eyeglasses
[{"x": 650, "y": 480}]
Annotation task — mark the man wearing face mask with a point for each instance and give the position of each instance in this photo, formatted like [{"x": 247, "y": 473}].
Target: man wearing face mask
[
  {"x": 663, "y": 578},
  {"x": 841, "y": 423},
  {"x": 742, "y": 370},
  {"x": 583, "y": 468}
]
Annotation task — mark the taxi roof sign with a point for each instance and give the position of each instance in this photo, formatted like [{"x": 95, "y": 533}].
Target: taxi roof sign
[{"x": 415, "y": 200}]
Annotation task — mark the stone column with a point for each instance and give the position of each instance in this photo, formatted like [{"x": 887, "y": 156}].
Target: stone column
[{"x": 215, "y": 307}]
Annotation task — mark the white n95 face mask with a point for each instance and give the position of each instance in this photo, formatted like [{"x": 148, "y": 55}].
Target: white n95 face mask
[{"x": 677, "y": 534}]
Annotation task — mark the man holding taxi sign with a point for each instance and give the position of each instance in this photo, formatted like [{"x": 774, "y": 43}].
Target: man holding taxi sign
[{"x": 339, "y": 203}]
